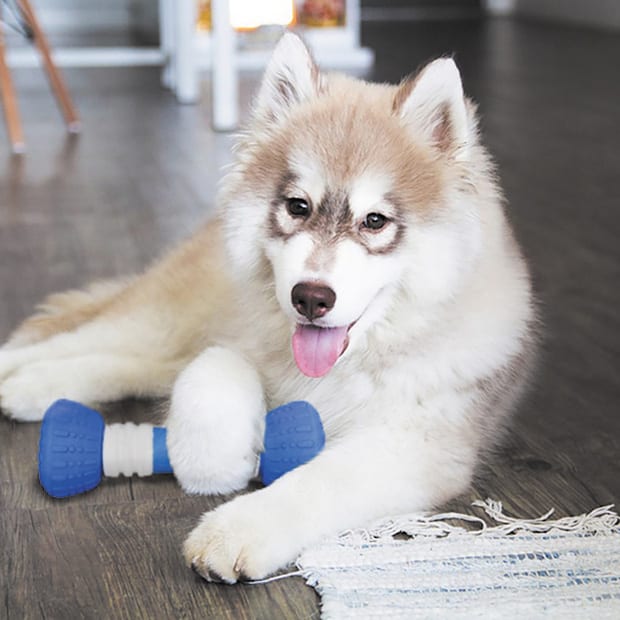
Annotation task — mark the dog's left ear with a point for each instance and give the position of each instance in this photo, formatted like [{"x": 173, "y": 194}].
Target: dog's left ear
[
  {"x": 291, "y": 78},
  {"x": 433, "y": 105}
]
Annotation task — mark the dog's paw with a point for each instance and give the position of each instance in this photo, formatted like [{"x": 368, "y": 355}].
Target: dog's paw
[
  {"x": 208, "y": 464},
  {"x": 27, "y": 393},
  {"x": 9, "y": 361},
  {"x": 215, "y": 424},
  {"x": 239, "y": 541}
]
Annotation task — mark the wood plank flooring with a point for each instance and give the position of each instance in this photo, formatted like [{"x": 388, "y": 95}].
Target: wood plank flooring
[{"x": 144, "y": 173}]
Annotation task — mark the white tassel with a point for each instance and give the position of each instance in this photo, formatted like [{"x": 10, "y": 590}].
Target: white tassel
[{"x": 600, "y": 520}]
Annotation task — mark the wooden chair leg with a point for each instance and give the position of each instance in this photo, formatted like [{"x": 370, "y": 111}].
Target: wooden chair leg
[
  {"x": 56, "y": 80},
  {"x": 9, "y": 102}
]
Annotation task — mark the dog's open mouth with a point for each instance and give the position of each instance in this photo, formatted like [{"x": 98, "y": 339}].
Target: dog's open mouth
[{"x": 317, "y": 349}]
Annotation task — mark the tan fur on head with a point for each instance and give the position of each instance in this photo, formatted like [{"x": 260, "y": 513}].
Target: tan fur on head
[{"x": 418, "y": 140}]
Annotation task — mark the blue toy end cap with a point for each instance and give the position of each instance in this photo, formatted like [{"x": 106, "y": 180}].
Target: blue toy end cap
[
  {"x": 293, "y": 435},
  {"x": 70, "y": 449}
]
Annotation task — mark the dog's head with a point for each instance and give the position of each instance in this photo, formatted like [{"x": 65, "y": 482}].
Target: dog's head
[{"x": 351, "y": 195}]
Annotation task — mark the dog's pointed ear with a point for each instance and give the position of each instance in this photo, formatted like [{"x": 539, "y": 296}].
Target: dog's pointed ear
[
  {"x": 433, "y": 105},
  {"x": 291, "y": 77}
]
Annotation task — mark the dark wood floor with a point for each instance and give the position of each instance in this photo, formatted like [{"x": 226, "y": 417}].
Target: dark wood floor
[{"x": 143, "y": 174}]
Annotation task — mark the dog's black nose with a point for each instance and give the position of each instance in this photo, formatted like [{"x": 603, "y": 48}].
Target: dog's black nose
[{"x": 312, "y": 299}]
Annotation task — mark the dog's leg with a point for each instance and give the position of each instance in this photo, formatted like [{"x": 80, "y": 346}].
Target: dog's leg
[
  {"x": 90, "y": 379},
  {"x": 102, "y": 360},
  {"x": 216, "y": 423},
  {"x": 357, "y": 479}
]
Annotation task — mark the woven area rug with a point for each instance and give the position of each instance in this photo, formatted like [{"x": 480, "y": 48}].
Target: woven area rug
[{"x": 527, "y": 569}]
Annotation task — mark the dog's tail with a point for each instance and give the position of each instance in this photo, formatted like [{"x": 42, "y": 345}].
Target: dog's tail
[
  {"x": 66, "y": 311},
  {"x": 178, "y": 303}
]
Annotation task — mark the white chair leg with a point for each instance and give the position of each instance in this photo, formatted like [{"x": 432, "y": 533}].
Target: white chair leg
[
  {"x": 186, "y": 67},
  {"x": 225, "y": 81},
  {"x": 167, "y": 26}
]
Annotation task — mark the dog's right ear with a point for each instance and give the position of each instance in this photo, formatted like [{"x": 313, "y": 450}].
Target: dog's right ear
[
  {"x": 433, "y": 106},
  {"x": 291, "y": 78}
]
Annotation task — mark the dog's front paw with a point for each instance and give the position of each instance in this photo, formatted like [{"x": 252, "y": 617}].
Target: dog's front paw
[
  {"x": 26, "y": 394},
  {"x": 21, "y": 397},
  {"x": 215, "y": 424},
  {"x": 239, "y": 541},
  {"x": 9, "y": 361}
]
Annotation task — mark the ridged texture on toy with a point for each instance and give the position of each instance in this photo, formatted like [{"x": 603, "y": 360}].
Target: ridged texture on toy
[
  {"x": 70, "y": 455},
  {"x": 293, "y": 435}
]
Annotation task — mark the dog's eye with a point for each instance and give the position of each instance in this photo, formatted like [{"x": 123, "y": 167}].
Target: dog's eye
[
  {"x": 297, "y": 207},
  {"x": 375, "y": 221}
]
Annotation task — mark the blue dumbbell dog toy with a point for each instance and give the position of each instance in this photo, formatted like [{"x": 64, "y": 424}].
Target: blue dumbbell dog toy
[{"x": 76, "y": 448}]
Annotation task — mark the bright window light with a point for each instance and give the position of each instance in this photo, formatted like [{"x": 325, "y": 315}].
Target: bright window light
[{"x": 248, "y": 14}]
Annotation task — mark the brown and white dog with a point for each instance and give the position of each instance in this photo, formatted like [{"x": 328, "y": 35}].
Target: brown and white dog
[{"x": 360, "y": 260}]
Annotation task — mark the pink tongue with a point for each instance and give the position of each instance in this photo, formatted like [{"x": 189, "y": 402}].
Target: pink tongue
[{"x": 316, "y": 349}]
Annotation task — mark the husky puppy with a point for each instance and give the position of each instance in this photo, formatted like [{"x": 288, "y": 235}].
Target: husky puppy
[{"x": 360, "y": 260}]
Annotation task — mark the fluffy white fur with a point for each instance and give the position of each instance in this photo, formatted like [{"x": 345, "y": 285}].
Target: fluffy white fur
[
  {"x": 215, "y": 425},
  {"x": 438, "y": 305}
]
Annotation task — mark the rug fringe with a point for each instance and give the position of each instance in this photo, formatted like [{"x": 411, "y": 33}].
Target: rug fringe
[{"x": 602, "y": 520}]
